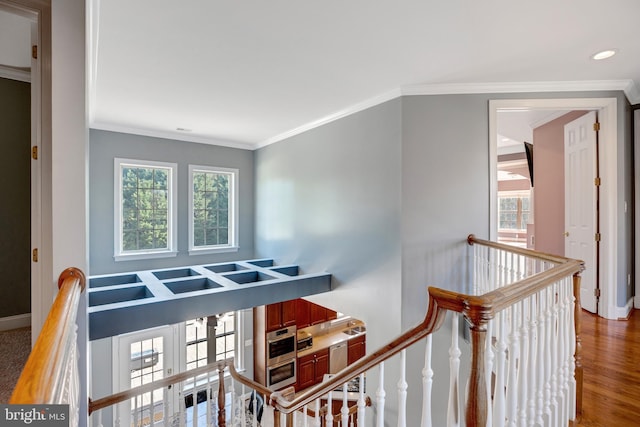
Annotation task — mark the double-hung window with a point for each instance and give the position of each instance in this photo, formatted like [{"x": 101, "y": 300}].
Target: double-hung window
[
  {"x": 145, "y": 209},
  {"x": 213, "y": 209}
]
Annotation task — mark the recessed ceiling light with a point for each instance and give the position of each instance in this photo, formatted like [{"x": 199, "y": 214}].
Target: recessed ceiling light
[
  {"x": 604, "y": 54},
  {"x": 183, "y": 130}
]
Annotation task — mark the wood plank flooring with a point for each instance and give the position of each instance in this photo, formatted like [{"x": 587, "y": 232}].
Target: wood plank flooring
[{"x": 611, "y": 360}]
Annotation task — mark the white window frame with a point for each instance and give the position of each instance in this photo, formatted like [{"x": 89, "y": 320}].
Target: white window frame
[
  {"x": 233, "y": 245},
  {"x": 172, "y": 208},
  {"x": 519, "y": 194}
]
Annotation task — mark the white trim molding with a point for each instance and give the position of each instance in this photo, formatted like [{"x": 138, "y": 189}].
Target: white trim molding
[
  {"x": 14, "y": 322},
  {"x": 13, "y": 73},
  {"x": 608, "y": 114}
]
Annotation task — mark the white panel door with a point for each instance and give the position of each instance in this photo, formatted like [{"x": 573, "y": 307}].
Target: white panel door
[{"x": 580, "y": 202}]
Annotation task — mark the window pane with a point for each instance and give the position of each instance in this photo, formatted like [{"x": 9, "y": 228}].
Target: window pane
[
  {"x": 145, "y": 207},
  {"x": 210, "y": 196}
]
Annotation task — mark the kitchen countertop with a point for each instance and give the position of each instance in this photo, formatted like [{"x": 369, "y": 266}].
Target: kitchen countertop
[{"x": 324, "y": 341}]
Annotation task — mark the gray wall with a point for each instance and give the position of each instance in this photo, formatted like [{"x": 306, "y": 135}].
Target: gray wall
[
  {"x": 15, "y": 213},
  {"x": 105, "y": 146}
]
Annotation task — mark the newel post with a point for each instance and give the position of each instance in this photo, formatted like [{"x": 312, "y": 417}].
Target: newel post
[
  {"x": 579, "y": 373},
  {"x": 477, "y": 400}
]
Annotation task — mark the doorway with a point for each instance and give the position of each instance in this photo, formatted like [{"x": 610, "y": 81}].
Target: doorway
[
  {"x": 38, "y": 14},
  {"x": 606, "y": 108}
]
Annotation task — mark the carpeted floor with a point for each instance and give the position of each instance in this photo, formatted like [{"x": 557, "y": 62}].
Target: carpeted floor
[{"x": 15, "y": 346}]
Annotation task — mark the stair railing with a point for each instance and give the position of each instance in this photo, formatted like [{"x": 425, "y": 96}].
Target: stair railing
[
  {"x": 523, "y": 312},
  {"x": 51, "y": 374}
]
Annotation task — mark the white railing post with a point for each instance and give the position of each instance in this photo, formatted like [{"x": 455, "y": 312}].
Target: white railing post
[
  {"x": 427, "y": 384},
  {"x": 361, "y": 402},
  {"x": 453, "y": 409},
  {"x": 501, "y": 362},
  {"x": 344, "y": 411},
  {"x": 489, "y": 357},
  {"x": 402, "y": 390},
  {"x": 380, "y": 394}
]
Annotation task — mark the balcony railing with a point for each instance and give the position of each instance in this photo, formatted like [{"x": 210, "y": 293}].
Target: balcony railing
[{"x": 522, "y": 320}]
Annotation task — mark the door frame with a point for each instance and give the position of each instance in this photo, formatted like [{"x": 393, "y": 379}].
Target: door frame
[
  {"x": 607, "y": 114},
  {"x": 42, "y": 282}
]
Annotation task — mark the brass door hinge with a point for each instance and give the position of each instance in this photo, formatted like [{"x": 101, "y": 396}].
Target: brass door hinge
[
  {"x": 34, "y": 152},
  {"x": 596, "y": 126},
  {"x": 34, "y": 51},
  {"x": 598, "y": 237},
  {"x": 35, "y": 255},
  {"x": 596, "y": 292},
  {"x": 597, "y": 181}
]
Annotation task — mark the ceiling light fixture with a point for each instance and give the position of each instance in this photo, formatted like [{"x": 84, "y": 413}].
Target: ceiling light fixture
[
  {"x": 604, "y": 54},
  {"x": 183, "y": 130}
]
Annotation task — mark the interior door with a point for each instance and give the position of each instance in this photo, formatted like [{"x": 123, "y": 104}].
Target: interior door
[
  {"x": 141, "y": 358},
  {"x": 580, "y": 166}
]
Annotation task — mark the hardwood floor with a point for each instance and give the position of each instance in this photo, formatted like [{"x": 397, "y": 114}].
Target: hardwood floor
[{"x": 611, "y": 360}]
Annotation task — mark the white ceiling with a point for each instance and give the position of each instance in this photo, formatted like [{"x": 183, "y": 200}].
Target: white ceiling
[{"x": 248, "y": 73}]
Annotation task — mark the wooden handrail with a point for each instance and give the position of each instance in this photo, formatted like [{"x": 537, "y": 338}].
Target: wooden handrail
[
  {"x": 41, "y": 377},
  {"x": 557, "y": 259},
  {"x": 95, "y": 405}
]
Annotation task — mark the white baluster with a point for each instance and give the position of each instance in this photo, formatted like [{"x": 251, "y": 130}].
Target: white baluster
[
  {"x": 501, "y": 361},
  {"x": 453, "y": 410},
  {"x": 531, "y": 371},
  {"x": 547, "y": 358},
  {"x": 380, "y": 394},
  {"x": 317, "y": 418},
  {"x": 572, "y": 350},
  {"x": 344, "y": 411},
  {"x": 329, "y": 417},
  {"x": 243, "y": 420},
  {"x": 402, "y": 390},
  {"x": 512, "y": 382},
  {"x": 305, "y": 418},
  {"x": 427, "y": 384},
  {"x": 361, "y": 402},
  {"x": 540, "y": 358},
  {"x": 489, "y": 357},
  {"x": 523, "y": 366}
]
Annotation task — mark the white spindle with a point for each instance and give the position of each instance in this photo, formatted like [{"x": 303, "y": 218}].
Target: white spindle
[
  {"x": 501, "y": 361},
  {"x": 361, "y": 401},
  {"x": 329, "y": 417},
  {"x": 427, "y": 384},
  {"x": 540, "y": 358},
  {"x": 402, "y": 390},
  {"x": 344, "y": 411},
  {"x": 453, "y": 410},
  {"x": 512, "y": 382},
  {"x": 523, "y": 366},
  {"x": 305, "y": 418},
  {"x": 317, "y": 418},
  {"x": 489, "y": 356},
  {"x": 380, "y": 394}
]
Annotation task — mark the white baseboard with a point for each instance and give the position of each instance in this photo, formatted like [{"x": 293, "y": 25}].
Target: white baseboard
[
  {"x": 624, "y": 312},
  {"x": 15, "y": 322}
]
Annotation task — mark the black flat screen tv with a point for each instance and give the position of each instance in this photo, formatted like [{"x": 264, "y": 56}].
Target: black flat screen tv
[{"x": 528, "y": 148}]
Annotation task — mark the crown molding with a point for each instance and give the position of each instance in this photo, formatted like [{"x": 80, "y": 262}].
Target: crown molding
[
  {"x": 517, "y": 87},
  {"x": 632, "y": 92},
  {"x": 371, "y": 102},
  {"x": 14, "y": 73},
  {"x": 171, "y": 135}
]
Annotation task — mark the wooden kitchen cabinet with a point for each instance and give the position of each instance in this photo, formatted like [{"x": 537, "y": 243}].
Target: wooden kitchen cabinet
[
  {"x": 280, "y": 315},
  {"x": 312, "y": 368},
  {"x": 356, "y": 348},
  {"x": 308, "y": 313}
]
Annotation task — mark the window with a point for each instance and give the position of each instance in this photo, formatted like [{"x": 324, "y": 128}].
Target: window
[
  {"x": 213, "y": 209},
  {"x": 210, "y": 339},
  {"x": 145, "y": 209},
  {"x": 514, "y": 210}
]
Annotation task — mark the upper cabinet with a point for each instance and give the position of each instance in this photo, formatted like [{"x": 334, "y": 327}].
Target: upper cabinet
[
  {"x": 280, "y": 315},
  {"x": 308, "y": 313}
]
